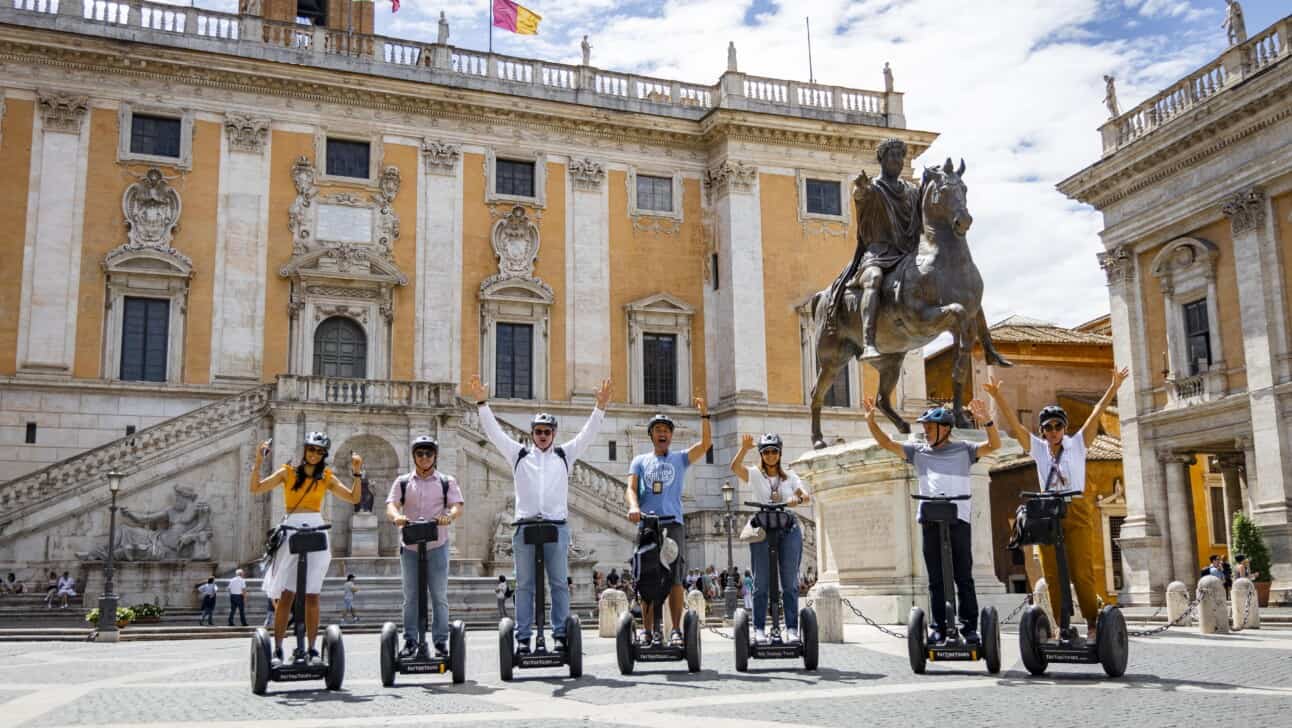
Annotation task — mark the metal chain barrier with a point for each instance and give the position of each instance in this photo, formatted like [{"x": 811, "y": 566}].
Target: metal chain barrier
[
  {"x": 873, "y": 623},
  {"x": 1017, "y": 610},
  {"x": 1193, "y": 605},
  {"x": 719, "y": 632}
]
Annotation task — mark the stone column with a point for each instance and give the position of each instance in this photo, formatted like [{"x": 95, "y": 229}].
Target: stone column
[
  {"x": 1180, "y": 517},
  {"x": 242, "y": 230},
  {"x": 733, "y": 193},
  {"x": 51, "y": 263},
  {"x": 587, "y": 275},
  {"x": 1230, "y": 464},
  {"x": 438, "y": 298},
  {"x": 1264, "y": 345},
  {"x": 1146, "y": 564}
]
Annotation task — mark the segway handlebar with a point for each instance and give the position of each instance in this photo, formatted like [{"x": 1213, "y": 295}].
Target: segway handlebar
[
  {"x": 917, "y": 496},
  {"x": 768, "y": 506},
  {"x": 666, "y": 520},
  {"x": 538, "y": 521},
  {"x": 1050, "y": 494},
  {"x": 305, "y": 529}
]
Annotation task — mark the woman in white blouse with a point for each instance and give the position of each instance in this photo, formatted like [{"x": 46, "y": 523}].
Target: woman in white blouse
[{"x": 774, "y": 485}]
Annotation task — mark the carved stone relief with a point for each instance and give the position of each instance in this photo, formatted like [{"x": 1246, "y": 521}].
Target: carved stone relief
[
  {"x": 1245, "y": 210},
  {"x": 440, "y": 158},
  {"x": 151, "y": 208},
  {"x": 730, "y": 177},
  {"x": 587, "y": 174},
  {"x": 63, "y": 112},
  {"x": 246, "y": 133}
]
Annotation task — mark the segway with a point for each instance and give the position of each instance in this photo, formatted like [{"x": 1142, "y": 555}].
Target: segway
[
  {"x": 773, "y": 519},
  {"x": 1110, "y": 648},
  {"x": 654, "y": 582},
  {"x": 539, "y": 531},
  {"x": 953, "y": 647},
  {"x": 331, "y": 667},
  {"x": 422, "y": 533}
]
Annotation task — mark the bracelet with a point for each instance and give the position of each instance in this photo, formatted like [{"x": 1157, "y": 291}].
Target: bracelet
[
  {"x": 705, "y": 417},
  {"x": 358, "y": 474},
  {"x": 989, "y": 423}
]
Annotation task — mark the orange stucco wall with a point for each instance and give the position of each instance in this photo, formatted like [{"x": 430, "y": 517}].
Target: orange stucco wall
[
  {"x": 676, "y": 265},
  {"x": 401, "y": 351},
  {"x": 15, "y": 156},
  {"x": 1282, "y": 206},
  {"x": 287, "y": 146}
]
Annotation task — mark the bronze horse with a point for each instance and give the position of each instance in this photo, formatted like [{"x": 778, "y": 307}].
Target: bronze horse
[{"x": 937, "y": 289}]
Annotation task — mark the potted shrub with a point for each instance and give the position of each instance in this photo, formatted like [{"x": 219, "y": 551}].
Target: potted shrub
[
  {"x": 125, "y": 615},
  {"x": 147, "y": 613},
  {"x": 1249, "y": 542}
]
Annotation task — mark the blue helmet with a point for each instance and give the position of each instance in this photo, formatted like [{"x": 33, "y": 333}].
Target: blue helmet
[{"x": 938, "y": 416}]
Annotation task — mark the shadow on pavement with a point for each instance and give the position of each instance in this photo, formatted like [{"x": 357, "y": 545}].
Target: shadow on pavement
[
  {"x": 299, "y": 698},
  {"x": 1018, "y": 678}
]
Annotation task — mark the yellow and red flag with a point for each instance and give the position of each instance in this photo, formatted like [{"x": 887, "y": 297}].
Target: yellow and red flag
[{"x": 517, "y": 18}]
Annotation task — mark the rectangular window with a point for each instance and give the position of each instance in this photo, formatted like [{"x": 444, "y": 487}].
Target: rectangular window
[
  {"x": 130, "y": 429},
  {"x": 708, "y": 456},
  {"x": 514, "y": 353},
  {"x": 514, "y": 178},
  {"x": 1115, "y": 536},
  {"x": 144, "y": 329},
  {"x": 312, "y": 12},
  {"x": 612, "y": 451},
  {"x": 31, "y": 433},
  {"x": 659, "y": 367},
  {"x": 838, "y": 395},
  {"x": 1218, "y": 514},
  {"x": 654, "y": 193},
  {"x": 154, "y": 135},
  {"x": 715, "y": 271},
  {"x": 347, "y": 158},
  {"x": 823, "y": 197},
  {"x": 1197, "y": 336}
]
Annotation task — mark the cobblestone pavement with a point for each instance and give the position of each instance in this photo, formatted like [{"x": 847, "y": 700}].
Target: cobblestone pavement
[{"x": 1175, "y": 679}]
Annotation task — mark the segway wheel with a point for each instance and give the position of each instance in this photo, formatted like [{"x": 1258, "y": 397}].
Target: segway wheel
[
  {"x": 989, "y": 631},
  {"x": 624, "y": 643},
  {"x": 808, "y": 633},
  {"x": 458, "y": 651},
  {"x": 1112, "y": 642},
  {"x": 1033, "y": 631},
  {"x": 740, "y": 628},
  {"x": 574, "y": 645},
  {"x": 917, "y": 640},
  {"x": 506, "y": 648},
  {"x": 691, "y": 637},
  {"x": 389, "y": 652},
  {"x": 260, "y": 657},
  {"x": 334, "y": 648}
]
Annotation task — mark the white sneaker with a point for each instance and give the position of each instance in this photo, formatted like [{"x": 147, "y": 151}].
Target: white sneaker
[
  {"x": 760, "y": 636},
  {"x": 791, "y": 635}
]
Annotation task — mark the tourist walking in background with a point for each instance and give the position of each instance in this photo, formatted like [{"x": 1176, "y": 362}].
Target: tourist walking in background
[
  {"x": 501, "y": 591},
  {"x": 347, "y": 599},
  {"x": 237, "y": 597},
  {"x": 208, "y": 591},
  {"x": 747, "y": 589}
]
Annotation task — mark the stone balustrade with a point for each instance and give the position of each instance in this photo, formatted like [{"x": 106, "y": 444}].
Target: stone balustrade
[
  {"x": 1235, "y": 65},
  {"x": 256, "y": 37},
  {"x": 366, "y": 392}
]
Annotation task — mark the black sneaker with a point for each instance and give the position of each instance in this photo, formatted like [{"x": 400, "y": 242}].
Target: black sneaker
[
  {"x": 298, "y": 656},
  {"x": 935, "y": 636},
  {"x": 441, "y": 649},
  {"x": 644, "y": 638},
  {"x": 658, "y": 637},
  {"x": 409, "y": 651},
  {"x": 277, "y": 658},
  {"x": 313, "y": 656},
  {"x": 523, "y": 648},
  {"x": 971, "y": 637},
  {"x": 559, "y": 641}
]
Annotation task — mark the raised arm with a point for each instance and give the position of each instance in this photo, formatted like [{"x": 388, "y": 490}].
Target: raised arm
[
  {"x": 353, "y": 493},
  {"x": 881, "y": 438},
  {"x": 738, "y": 462},
  {"x": 979, "y": 410},
  {"x": 1006, "y": 413},
  {"x": 697, "y": 451},
  {"x": 1091, "y": 428},
  {"x": 575, "y": 448},
  {"x": 477, "y": 392},
  {"x": 258, "y": 484}
]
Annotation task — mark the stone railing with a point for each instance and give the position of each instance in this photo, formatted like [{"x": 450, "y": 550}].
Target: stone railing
[
  {"x": 128, "y": 453},
  {"x": 364, "y": 392},
  {"x": 251, "y": 36},
  {"x": 1240, "y": 62},
  {"x": 1186, "y": 390}
]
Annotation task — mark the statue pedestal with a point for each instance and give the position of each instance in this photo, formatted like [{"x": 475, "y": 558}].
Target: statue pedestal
[
  {"x": 868, "y": 543},
  {"x": 363, "y": 535},
  {"x": 164, "y": 583}
]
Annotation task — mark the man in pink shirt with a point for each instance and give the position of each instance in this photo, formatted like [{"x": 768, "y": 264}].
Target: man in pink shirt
[{"x": 425, "y": 495}]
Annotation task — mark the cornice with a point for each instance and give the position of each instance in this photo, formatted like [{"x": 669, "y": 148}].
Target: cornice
[{"x": 328, "y": 86}]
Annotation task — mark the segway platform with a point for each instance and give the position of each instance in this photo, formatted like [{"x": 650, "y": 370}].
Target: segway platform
[
  {"x": 774, "y": 518},
  {"x": 628, "y": 646},
  {"x": 423, "y": 663},
  {"x": 539, "y": 531}
]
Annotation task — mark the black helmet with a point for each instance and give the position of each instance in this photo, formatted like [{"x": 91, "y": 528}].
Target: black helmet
[
  {"x": 1053, "y": 412},
  {"x": 542, "y": 418},
  {"x": 769, "y": 441},
  {"x": 939, "y": 416},
  {"x": 659, "y": 419},
  {"x": 425, "y": 442},
  {"x": 318, "y": 439}
]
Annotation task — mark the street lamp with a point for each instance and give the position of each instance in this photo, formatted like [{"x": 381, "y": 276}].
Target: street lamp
[
  {"x": 729, "y": 594},
  {"x": 108, "y": 599}
]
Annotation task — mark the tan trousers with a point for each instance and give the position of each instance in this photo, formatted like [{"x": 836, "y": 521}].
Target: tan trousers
[{"x": 1082, "y": 533}]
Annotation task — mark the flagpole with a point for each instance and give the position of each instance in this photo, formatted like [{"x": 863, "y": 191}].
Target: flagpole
[
  {"x": 811, "y": 75},
  {"x": 491, "y": 26}
]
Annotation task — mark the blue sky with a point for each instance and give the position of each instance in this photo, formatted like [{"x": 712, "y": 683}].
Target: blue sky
[{"x": 1013, "y": 86}]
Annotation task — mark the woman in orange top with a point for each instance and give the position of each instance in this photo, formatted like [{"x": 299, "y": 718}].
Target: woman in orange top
[{"x": 303, "y": 488}]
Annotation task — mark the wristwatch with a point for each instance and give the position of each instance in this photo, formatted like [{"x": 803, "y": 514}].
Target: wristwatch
[{"x": 989, "y": 423}]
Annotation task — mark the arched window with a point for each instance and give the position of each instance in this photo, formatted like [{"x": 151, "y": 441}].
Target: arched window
[{"x": 340, "y": 349}]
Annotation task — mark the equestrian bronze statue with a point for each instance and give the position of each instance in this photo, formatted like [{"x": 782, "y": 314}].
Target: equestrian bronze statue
[{"x": 911, "y": 279}]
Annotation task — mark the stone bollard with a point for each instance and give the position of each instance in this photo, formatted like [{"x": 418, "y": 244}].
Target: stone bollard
[
  {"x": 612, "y": 603},
  {"x": 1246, "y": 612},
  {"x": 694, "y": 601},
  {"x": 1041, "y": 598},
  {"x": 1212, "y": 614},
  {"x": 1177, "y": 603},
  {"x": 828, "y": 606}
]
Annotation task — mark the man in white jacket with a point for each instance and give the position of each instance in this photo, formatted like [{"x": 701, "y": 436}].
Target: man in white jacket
[{"x": 542, "y": 482}]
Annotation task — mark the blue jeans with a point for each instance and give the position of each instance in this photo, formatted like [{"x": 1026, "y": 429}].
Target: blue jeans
[
  {"x": 437, "y": 583},
  {"x": 790, "y": 548},
  {"x": 556, "y": 563}
]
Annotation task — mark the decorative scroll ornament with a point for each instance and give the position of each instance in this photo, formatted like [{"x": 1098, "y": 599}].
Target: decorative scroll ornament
[
  {"x": 587, "y": 174},
  {"x": 1245, "y": 210},
  {"x": 63, "y": 112},
  {"x": 387, "y": 221},
  {"x": 299, "y": 217},
  {"x": 151, "y": 208},
  {"x": 246, "y": 133},
  {"x": 1118, "y": 265},
  {"x": 515, "y": 242},
  {"x": 440, "y": 158},
  {"x": 730, "y": 176}
]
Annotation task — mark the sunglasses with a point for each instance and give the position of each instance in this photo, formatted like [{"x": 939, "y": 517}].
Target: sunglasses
[
  {"x": 771, "y": 450},
  {"x": 319, "y": 450},
  {"x": 1053, "y": 427},
  {"x": 424, "y": 454},
  {"x": 543, "y": 432}
]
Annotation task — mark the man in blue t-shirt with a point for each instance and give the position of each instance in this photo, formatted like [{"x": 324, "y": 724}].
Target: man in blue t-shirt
[{"x": 655, "y": 484}]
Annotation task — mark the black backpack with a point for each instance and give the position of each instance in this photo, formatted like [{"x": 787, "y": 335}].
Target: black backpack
[
  {"x": 524, "y": 453},
  {"x": 653, "y": 579},
  {"x": 403, "y": 484}
]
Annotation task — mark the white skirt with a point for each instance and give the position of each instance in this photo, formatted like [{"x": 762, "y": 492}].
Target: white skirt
[{"x": 281, "y": 575}]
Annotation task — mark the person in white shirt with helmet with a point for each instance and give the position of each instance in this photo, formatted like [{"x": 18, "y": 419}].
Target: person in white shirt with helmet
[{"x": 542, "y": 482}]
